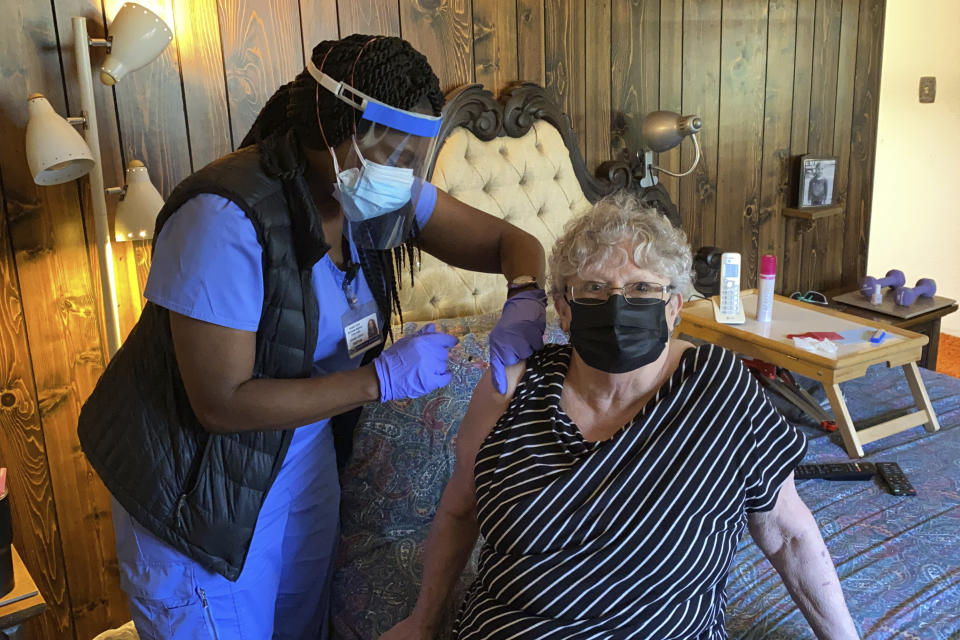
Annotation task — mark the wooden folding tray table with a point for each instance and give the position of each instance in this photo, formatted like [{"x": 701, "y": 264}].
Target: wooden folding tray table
[{"x": 769, "y": 342}]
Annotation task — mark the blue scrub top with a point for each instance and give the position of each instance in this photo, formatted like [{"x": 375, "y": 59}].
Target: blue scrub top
[{"x": 207, "y": 265}]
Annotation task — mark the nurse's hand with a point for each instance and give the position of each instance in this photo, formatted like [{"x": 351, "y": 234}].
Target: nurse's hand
[
  {"x": 415, "y": 365},
  {"x": 518, "y": 334}
]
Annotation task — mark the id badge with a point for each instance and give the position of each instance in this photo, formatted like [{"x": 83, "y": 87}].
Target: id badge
[{"x": 361, "y": 328}]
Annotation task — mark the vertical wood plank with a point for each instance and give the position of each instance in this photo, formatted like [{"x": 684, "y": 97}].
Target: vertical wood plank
[
  {"x": 671, "y": 83},
  {"x": 530, "y": 41},
  {"x": 802, "y": 73},
  {"x": 150, "y": 106},
  {"x": 823, "y": 106},
  {"x": 598, "y": 84},
  {"x": 701, "y": 96},
  {"x": 742, "y": 70},
  {"x": 318, "y": 22},
  {"x": 863, "y": 139},
  {"x": 777, "y": 114},
  {"x": 24, "y": 453},
  {"x": 60, "y": 314},
  {"x": 495, "y": 44},
  {"x": 442, "y": 31},
  {"x": 635, "y": 57},
  {"x": 204, "y": 85},
  {"x": 564, "y": 43},
  {"x": 262, "y": 50},
  {"x": 846, "y": 67},
  {"x": 374, "y": 17}
]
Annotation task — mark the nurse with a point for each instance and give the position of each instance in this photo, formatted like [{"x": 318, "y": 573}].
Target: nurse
[{"x": 211, "y": 427}]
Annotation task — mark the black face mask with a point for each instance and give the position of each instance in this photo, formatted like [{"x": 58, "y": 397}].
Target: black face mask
[{"x": 617, "y": 337}]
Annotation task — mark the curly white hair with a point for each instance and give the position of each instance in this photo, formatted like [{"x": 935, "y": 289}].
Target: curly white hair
[{"x": 597, "y": 237}]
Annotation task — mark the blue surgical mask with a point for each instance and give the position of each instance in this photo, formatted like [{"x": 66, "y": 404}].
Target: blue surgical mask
[{"x": 372, "y": 190}]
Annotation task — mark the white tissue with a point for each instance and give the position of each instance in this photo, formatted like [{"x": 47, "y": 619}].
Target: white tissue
[{"x": 820, "y": 347}]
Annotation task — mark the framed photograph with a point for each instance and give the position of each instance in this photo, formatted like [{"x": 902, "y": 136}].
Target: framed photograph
[{"x": 816, "y": 181}]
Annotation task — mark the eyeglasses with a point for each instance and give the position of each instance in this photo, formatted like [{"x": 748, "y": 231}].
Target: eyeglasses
[{"x": 636, "y": 293}]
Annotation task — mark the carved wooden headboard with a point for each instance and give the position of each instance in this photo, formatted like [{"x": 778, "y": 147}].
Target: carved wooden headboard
[{"x": 515, "y": 158}]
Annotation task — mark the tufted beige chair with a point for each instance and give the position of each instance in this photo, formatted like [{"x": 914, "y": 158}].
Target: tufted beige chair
[{"x": 528, "y": 181}]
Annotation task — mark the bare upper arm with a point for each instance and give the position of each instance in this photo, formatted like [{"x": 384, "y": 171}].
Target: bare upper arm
[
  {"x": 213, "y": 362},
  {"x": 789, "y": 518},
  {"x": 486, "y": 407}
]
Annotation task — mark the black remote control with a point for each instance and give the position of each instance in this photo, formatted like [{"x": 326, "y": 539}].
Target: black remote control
[
  {"x": 895, "y": 479},
  {"x": 835, "y": 471}
]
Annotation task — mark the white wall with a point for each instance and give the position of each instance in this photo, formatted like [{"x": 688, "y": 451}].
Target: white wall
[{"x": 915, "y": 221}]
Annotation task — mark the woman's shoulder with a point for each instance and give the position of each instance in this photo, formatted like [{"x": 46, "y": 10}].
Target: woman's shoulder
[{"x": 707, "y": 358}]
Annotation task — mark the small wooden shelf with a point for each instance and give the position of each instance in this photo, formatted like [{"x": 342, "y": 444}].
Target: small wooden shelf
[{"x": 812, "y": 213}]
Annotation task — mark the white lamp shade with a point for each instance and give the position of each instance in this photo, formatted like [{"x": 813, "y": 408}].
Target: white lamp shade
[
  {"x": 137, "y": 36},
  {"x": 56, "y": 152},
  {"x": 137, "y": 211}
]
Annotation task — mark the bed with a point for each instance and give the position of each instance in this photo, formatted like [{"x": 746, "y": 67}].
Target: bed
[{"x": 898, "y": 558}]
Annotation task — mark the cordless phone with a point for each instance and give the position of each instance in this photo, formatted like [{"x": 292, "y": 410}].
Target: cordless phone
[{"x": 729, "y": 311}]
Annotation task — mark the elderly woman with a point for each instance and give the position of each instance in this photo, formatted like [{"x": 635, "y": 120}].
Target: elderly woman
[{"x": 614, "y": 479}]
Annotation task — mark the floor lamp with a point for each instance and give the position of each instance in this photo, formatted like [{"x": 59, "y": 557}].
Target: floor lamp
[{"x": 56, "y": 153}]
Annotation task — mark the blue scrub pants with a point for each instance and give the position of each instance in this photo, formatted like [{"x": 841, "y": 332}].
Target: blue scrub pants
[{"x": 284, "y": 588}]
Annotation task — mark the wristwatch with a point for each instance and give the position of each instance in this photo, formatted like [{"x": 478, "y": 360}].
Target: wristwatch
[{"x": 522, "y": 282}]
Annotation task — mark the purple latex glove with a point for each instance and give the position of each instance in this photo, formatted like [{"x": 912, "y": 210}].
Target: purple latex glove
[
  {"x": 415, "y": 365},
  {"x": 518, "y": 334}
]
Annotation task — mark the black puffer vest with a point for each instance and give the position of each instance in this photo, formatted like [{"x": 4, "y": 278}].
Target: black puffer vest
[{"x": 198, "y": 491}]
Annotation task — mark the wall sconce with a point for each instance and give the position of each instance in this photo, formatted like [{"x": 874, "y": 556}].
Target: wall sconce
[
  {"x": 138, "y": 207},
  {"x": 137, "y": 37},
  {"x": 56, "y": 155},
  {"x": 662, "y": 131}
]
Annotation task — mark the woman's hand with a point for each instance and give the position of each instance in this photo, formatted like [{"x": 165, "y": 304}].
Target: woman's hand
[
  {"x": 415, "y": 365},
  {"x": 518, "y": 334},
  {"x": 408, "y": 629}
]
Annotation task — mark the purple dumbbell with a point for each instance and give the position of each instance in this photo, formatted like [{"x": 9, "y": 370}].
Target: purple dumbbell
[
  {"x": 906, "y": 296},
  {"x": 894, "y": 278}
]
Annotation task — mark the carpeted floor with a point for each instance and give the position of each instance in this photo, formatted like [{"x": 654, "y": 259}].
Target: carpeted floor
[{"x": 948, "y": 357}]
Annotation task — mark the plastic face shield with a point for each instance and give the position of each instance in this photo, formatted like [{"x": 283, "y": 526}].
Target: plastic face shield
[{"x": 379, "y": 182}]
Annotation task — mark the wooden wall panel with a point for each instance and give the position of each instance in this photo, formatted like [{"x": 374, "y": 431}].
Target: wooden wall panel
[
  {"x": 495, "y": 61},
  {"x": 598, "y": 84},
  {"x": 22, "y": 448},
  {"x": 817, "y": 243},
  {"x": 775, "y": 169},
  {"x": 847, "y": 66},
  {"x": 442, "y": 31},
  {"x": 374, "y": 17},
  {"x": 530, "y": 41},
  {"x": 197, "y": 26},
  {"x": 635, "y": 56},
  {"x": 150, "y": 108},
  {"x": 742, "y": 70},
  {"x": 701, "y": 95},
  {"x": 563, "y": 45},
  {"x": 863, "y": 140},
  {"x": 318, "y": 22},
  {"x": 771, "y": 79},
  {"x": 60, "y": 316},
  {"x": 802, "y": 77},
  {"x": 671, "y": 84},
  {"x": 262, "y": 49}
]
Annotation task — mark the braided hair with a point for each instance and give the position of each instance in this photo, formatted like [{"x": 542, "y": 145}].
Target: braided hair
[{"x": 389, "y": 70}]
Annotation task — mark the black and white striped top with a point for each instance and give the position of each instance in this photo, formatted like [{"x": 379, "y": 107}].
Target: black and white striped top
[{"x": 631, "y": 537}]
